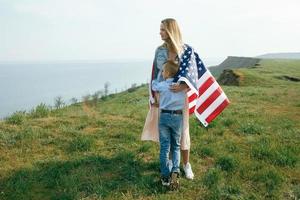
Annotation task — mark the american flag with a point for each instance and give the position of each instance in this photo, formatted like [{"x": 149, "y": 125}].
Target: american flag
[{"x": 205, "y": 96}]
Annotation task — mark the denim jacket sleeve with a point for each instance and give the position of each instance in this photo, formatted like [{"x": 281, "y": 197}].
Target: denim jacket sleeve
[{"x": 161, "y": 56}]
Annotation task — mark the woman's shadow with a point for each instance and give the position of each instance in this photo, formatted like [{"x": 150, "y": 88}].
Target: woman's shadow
[{"x": 96, "y": 176}]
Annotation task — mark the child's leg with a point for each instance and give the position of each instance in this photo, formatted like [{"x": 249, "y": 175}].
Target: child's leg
[
  {"x": 176, "y": 129},
  {"x": 164, "y": 140}
]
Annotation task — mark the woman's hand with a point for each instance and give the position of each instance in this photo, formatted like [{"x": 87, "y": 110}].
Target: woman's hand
[
  {"x": 178, "y": 87},
  {"x": 156, "y": 100}
]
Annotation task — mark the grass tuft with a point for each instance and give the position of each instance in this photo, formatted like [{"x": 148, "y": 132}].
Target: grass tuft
[
  {"x": 227, "y": 163},
  {"x": 81, "y": 143}
]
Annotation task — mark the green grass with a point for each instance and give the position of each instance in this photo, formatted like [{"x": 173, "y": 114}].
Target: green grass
[{"x": 251, "y": 151}]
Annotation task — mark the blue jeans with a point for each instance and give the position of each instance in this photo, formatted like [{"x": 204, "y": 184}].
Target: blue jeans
[{"x": 170, "y": 128}]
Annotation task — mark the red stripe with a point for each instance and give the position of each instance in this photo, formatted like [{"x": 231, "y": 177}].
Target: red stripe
[
  {"x": 192, "y": 97},
  {"x": 217, "y": 111},
  {"x": 206, "y": 85},
  {"x": 209, "y": 100},
  {"x": 192, "y": 109}
]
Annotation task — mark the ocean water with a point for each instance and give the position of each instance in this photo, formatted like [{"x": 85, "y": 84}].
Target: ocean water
[{"x": 25, "y": 85}]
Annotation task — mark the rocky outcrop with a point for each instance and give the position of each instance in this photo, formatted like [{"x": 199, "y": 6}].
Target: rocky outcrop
[
  {"x": 233, "y": 62},
  {"x": 230, "y": 77}
]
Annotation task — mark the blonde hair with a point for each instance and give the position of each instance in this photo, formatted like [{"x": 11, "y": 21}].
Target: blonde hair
[
  {"x": 171, "y": 67},
  {"x": 174, "y": 43}
]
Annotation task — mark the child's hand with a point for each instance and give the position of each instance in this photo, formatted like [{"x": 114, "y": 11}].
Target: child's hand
[{"x": 178, "y": 87}]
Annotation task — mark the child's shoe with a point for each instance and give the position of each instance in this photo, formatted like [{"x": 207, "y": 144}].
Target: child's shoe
[
  {"x": 174, "y": 182},
  {"x": 165, "y": 181}
]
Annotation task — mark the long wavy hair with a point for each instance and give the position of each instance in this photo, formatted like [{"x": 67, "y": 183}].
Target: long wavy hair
[{"x": 174, "y": 42}]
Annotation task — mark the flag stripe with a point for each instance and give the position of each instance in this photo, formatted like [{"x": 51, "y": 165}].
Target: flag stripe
[
  {"x": 192, "y": 103},
  {"x": 192, "y": 110},
  {"x": 209, "y": 100},
  {"x": 213, "y": 106},
  {"x": 206, "y": 85},
  {"x": 207, "y": 93},
  {"x": 192, "y": 97},
  {"x": 203, "y": 78},
  {"x": 217, "y": 111}
]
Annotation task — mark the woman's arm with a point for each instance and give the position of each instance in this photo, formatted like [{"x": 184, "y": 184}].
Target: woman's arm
[
  {"x": 178, "y": 87},
  {"x": 156, "y": 97}
]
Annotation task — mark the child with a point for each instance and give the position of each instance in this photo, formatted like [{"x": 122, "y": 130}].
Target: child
[{"x": 170, "y": 124}]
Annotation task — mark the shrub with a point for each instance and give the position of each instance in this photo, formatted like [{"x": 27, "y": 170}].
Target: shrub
[
  {"x": 95, "y": 97},
  {"x": 40, "y": 111},
  {"x": 16, "y": 118},
  {"x": 133, "y": 88},
  {"x": 106, "y": 88},
  {"x": 58, "y": 102},
  {"x": 74, "y": 100}
]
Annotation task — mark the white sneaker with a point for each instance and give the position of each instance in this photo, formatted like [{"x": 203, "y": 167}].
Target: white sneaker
[{"x": 188, "y": 171}]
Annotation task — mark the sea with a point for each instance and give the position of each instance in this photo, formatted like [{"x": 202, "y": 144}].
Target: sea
[{"x": 24, "y": 85}]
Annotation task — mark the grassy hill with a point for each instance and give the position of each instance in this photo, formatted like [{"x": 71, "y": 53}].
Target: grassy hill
[
  {"x": 251, "y": 151},
  {"x": 290, "y": 55},
  {"x": 233, "y": 62}
]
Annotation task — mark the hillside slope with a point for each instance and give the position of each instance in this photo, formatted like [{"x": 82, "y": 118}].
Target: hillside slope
[
  {"x": 292, "y": 55},
  {"x": 232, "y": 62},
  {"x": 251, "y": 151}
]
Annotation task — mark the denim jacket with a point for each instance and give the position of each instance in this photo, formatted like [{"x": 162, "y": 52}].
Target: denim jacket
[{"x": 161, "y": 56}]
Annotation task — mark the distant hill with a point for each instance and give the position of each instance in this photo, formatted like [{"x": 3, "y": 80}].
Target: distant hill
[
  {"x": 292, "y": 55},
  {"x": 234, "y": 62}
]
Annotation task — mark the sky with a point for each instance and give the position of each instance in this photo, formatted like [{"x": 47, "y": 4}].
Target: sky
[{"x": 60, "y": 30}]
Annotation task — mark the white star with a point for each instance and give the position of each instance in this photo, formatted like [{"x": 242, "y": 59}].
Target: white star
[
  {"x": 184, "y": 56},
  {"x": 184, "y": 64}
]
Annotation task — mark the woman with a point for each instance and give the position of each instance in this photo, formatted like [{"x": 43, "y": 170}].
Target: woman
[{"x": 171, "y": 49}]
